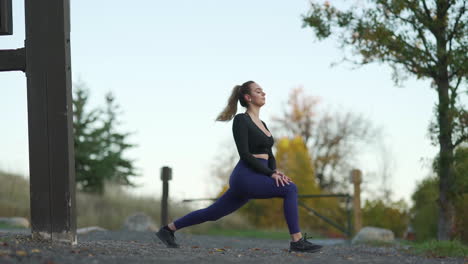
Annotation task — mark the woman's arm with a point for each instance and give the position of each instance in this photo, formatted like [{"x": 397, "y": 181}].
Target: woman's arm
[
  {"x": 240, "y": 132},
  {"x": 271, "y": 160},
  {"x": 271, "y": 157}
]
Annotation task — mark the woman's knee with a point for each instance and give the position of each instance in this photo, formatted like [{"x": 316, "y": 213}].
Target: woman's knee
[{"x": 292, "y": 188}]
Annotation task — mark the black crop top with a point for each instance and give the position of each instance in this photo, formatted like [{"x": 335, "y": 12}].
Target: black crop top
[{"x": 250, "y": 139}]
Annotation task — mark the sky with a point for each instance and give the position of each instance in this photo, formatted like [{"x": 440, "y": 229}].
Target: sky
[{"x": 173, "y": 64}]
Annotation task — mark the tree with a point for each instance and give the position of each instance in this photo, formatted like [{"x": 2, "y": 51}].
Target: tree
[
  {"x": 424, "y": 39},
  {"x": 99, "y": 147},
  {"x": 424, "y": 211},
  {"x": 331, "y": 138}
]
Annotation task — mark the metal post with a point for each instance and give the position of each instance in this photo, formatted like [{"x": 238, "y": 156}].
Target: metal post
[
  {"x": 50, "y": 117},
  {"x": 166, "y": 176},
  {"x": 357, "y": 179}
]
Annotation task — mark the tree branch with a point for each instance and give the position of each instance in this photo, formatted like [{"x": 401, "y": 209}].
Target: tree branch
[
  {"x": 426, "y": 9},
  {"x": 452, "y": 33},
  {"x": 463, "y": 138}
]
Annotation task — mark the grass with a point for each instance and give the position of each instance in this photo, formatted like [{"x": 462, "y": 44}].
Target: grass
[
  {"x": 434, "y": 248},
  {"x": 108, "y": 211},
  {"x": 7, "y": 226}
]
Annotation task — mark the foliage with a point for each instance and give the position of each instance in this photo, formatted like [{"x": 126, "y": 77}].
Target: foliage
[
  {"x": 434, "y": 248},
  {"x": 425, "y": 210},
  {"x": 99, "y": 147},
  {"x": 390, "y": 215},
  {"x": 422, "y": 39},
  {"x": 331, "y": 138},
  {"x": 14, "y": 195}
]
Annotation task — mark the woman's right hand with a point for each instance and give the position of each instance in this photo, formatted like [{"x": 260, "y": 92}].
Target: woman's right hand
[{"x": 279, "y": 179}]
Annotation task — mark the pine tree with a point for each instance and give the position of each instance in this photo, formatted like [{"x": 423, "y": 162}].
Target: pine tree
[{"x": 99, "y": 146}]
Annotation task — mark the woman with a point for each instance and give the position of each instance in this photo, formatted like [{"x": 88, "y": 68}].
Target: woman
[{"x": 255, "y": 175}]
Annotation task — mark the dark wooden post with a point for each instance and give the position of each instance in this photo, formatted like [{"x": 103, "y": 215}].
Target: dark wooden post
[
  {"x": 46, "y": 62},
  {"x": 50, "y": 117},
  {"x": 6, "y": 25},
  {"x": 166, "y": 176},
  {"x": 356, "y": 178}
]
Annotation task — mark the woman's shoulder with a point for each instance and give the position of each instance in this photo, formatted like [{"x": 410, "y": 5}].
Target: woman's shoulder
[{"x": 240, "y": 116}]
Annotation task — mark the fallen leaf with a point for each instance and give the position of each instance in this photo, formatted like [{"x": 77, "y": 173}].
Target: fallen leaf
[
  {"x": 195, "y": 246},
  {"x": 21, "y": 253},
  {"x": 35, "y": 250},
  {"x": 220, "y": 249}
]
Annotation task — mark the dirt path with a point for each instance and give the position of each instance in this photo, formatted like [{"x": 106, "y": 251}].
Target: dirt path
[{"x": 138, "y": 247}]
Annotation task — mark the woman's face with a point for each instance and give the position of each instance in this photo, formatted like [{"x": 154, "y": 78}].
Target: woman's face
[{"x": 257, "y": 95}]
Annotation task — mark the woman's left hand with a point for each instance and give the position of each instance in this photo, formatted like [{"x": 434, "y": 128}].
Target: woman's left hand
[{"x": 283, "y": 176}]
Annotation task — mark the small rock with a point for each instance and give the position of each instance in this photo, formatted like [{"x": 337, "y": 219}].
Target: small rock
[
  {"x": 374, "y": 234},
  {"x": 139, "y": 222}
]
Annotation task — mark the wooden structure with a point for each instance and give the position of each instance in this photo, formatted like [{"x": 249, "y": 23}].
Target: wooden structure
[
  {"x": 46, "y": 61},
  {"x": 166, "y": 176},
  {"x": 356, "y": 178}
]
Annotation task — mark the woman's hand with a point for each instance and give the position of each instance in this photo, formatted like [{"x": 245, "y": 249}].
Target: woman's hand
[
  {"x": 280, "y": 179},
  {"x": 286, "y": 178}
]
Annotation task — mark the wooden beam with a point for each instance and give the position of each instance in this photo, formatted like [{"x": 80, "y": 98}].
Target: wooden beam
[
  {"x": 12, "y": 60},
  {"x": 50, "y": 117}
]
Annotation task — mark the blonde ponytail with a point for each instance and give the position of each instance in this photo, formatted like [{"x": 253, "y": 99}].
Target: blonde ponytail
[
  {"x": 231, "y": 109},
  {"x": 237, "y": 94}
]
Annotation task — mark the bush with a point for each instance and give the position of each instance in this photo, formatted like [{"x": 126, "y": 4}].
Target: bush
[{"x": 389, "y": 215}]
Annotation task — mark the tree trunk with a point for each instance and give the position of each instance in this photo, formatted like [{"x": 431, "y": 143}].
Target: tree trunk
[
  {"x": 446, "y": 224},
  {"x": 445, "y": 165}
]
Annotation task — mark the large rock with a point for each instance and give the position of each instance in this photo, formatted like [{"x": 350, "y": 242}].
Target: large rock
[
  {"x": 86, "y": 230},
  {"x": 373, "y": 234},
  {"x": 20, "y": 222},
  {"x": 139, "y": 222}
]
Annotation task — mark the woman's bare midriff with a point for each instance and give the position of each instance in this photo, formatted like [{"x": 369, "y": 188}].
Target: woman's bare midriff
[{"x": 262, "y": 156}]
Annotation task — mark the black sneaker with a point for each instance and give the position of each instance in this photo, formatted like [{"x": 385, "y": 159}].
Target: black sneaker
[
  {"x": 302, "y": 245},
  {"x": 167, "y": 237}
]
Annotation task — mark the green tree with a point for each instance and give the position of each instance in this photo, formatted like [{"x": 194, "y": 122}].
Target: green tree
[
  {"x": 424, "y": 39},
  {"x": 424, "y": 211},
  {"x": 99, "y": 147}
]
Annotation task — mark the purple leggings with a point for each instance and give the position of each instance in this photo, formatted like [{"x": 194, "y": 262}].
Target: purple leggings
[{"x": 246, "y": 184}]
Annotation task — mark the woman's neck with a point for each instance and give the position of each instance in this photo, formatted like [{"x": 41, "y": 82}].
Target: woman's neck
[{"x": 254, "y": 112}]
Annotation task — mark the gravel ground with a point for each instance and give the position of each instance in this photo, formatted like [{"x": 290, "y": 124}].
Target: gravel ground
[{"x": 141, "y": 247}]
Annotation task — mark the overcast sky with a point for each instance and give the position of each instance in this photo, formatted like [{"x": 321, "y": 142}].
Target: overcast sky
[{"x": 172, "y": 65}]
